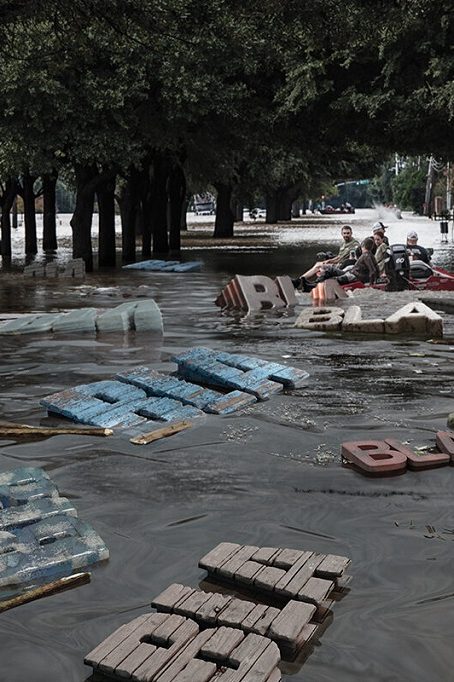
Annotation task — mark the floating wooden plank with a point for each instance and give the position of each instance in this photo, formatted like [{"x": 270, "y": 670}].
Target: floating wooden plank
[
  {"x": 27, "y": 431},
  {"x": 235, "y": 612},
  {"x": 209, "y": 610},
  {"x": 170, "y": 597},
  {"x": 332, "y": 566},
  {"x": 111, "y": 661},
  {"x": 222, "y": 643},
  {"x": 287, "y": 626},
  {"x": 231, "y": 566},
  {"x": 66, "y": 583},
  {"x": 132, "y": 651},
  {"x": 281, "y": 572},
  {"x": 262, "y": 624},
  {"x": 219, "y": 555},
  {"x": 265, "y": 555},
  {"x": 157, "y": 434}
]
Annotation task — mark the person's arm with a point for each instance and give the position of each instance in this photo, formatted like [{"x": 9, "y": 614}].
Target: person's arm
[{"x": 372, "y": 267}]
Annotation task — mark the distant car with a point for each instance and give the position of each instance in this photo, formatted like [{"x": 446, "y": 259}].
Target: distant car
[
  {"x": 255, "y": 213},
  {"x": 208, "y": 208},
  {"x": 328, "y": 210}
]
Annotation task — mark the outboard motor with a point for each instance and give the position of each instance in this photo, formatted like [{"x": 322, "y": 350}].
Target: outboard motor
[{"x": 397, "y": 268}]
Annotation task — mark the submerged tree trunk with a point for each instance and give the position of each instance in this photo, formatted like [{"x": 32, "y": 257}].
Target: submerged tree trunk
[
  {"x": 49, "y": 212},
  {"x": 31, "y": 244},
  {"x": 223, "y": 226},
  {"x": 83, "y": 214},
  {"x": 7, "y": 199},
  {"x": 184, "y": 211},
  {"x": 238, "y": 211},
  {"x": 106, "y": 206},
  {"x": 128, "y": 210},
  {"x": 159, "y": 205},
  {"x": 15, "y": 213},
  {"x": 146, "y": 215},
  {"x": 271, "y": 207},
  {"x": 284, "y": 211},
  {"x": 177, "y": 201}
]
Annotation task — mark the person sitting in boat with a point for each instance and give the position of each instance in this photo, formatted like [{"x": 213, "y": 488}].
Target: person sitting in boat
[
  {"x": 364, "y": 270},
  {"x": 379, "y": 228},
  {"x": 415, "y": 251},
  {"x": 381, "y": 252},
  {"x": 347, "y": 255}
]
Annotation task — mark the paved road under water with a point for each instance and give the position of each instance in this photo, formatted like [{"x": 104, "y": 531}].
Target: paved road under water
[{"x": 270, "y": 475}]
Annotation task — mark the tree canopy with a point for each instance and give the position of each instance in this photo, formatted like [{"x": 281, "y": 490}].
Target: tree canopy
[{"x": 267, "y": 97}]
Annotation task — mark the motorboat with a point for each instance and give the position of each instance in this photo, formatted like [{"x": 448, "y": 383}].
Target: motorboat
[{"x": 421, "y": 277}]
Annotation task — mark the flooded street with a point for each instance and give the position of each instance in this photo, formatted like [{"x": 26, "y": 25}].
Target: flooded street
[{"x": 269, "y": 475}]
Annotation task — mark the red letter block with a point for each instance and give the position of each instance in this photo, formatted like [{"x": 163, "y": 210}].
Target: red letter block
[
  {"x": 445, "y": 443},
  {"x": 374, "y": 456},
  {"x": 425, "y": 461}
]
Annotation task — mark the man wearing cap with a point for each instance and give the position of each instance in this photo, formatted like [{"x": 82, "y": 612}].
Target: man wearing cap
[
  {"x": 347, "y": 252},
  {"x": 415, "y": 251}
]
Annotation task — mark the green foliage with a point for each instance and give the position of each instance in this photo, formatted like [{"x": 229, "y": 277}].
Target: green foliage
[{"x": 409, "y": 187}]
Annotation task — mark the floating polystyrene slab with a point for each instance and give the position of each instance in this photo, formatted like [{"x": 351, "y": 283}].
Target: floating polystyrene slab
[
  {"x": 158, "y": 384},
  {"x": 227, "y": 370},
  {"x": 41, "y": 537},
  {"x": 116, "y": 319},
  {"x": 164, "y": 266},
  {"x": 141, "y": 393},
  {"x": 47, "y": 549},
  {"x": 80, "y": 320},
  {"x": 84, "y": 409},
  {"x": 171, "y": 648},
  {"x": 147, "y": 316},
  {"x": 25, "y": 484},
  {"x": 30, "y": 324}
]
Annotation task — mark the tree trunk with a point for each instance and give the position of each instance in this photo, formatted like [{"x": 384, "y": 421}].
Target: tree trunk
[
  {"x": 128, "y": 211},
  {"x": 159, "y": 205},
  {"x": 177, "y": 201},
  {"x": 15, "y": 213},
  {"x": 147, "y": 224},
  {"x": 31, "y": 245},
  {"x": 238, "y": 212},
  {"x": 7, "y": 200},
  {"x": 106, "y": 206},
  {"x": 83, "y": 214},
  {"x": 184, "y": 211},
  {"x": 271, "y": 207},
  {"x": 223, "y": 226},
  {"x": 296, "y": 207},
  {"x": 49, "y": 212},
  {"x": 284, "y": 211}
]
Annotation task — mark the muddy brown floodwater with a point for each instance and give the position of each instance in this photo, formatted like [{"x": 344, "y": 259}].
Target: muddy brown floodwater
[{"x": 269, "y": 475}]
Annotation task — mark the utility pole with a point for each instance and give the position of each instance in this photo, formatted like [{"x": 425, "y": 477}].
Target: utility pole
[
  {"x": 429, "y": 182},
  {"x": 448, "y": 187}
]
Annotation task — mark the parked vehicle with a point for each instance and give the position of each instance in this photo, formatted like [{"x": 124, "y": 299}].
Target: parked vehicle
[
  {"x": 345, "y": 208},
  {"x": 204, "y": 204}
]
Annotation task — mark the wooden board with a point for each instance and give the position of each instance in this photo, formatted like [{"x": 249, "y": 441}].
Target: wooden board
[
  {"x": 184, "y": 654},
  {"x": 209, "y": 610}
]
